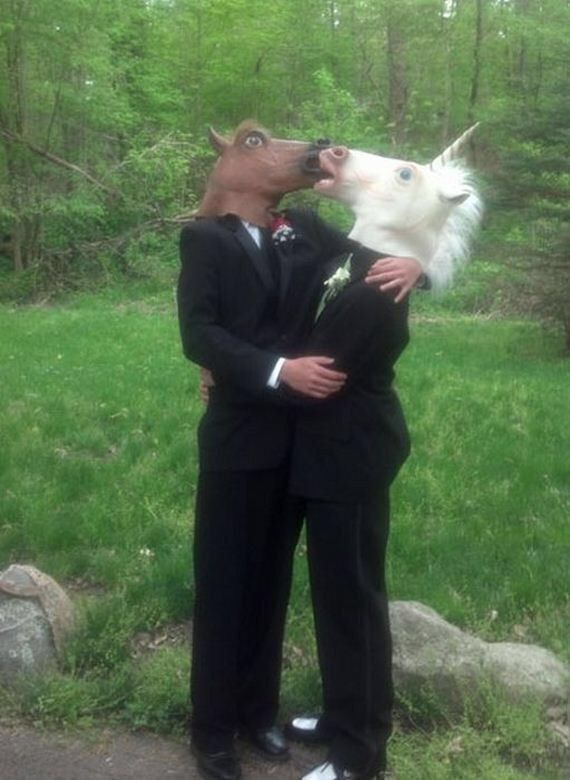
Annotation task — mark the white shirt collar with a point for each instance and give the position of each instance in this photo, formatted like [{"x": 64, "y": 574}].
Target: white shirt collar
[{"x": 253, "y": 231}]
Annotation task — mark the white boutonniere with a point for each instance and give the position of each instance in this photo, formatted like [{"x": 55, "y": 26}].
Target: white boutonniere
[
  {"x": 338, "y": 280},
  {"x": 334, "y": 284}
]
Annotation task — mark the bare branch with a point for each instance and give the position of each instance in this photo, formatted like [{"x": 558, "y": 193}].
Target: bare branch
[
  {"x": 58, "y": 161},
  {"x": 116, "y": 243}
]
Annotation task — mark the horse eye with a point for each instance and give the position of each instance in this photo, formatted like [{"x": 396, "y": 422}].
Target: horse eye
[
  {"x": 253, "y": 140},
  {"x": 405, "y": 174}
]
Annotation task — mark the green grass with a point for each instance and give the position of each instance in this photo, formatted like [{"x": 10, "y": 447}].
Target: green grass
[
  {"x": 98, "y": 457},
  {"x": 98, "y": 471},
  {"x": 481, "y": 508}
]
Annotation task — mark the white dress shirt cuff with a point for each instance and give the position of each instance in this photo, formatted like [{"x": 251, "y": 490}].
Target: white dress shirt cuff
[{"x": 273, "y": 380}]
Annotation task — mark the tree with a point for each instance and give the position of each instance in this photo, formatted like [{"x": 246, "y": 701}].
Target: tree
[
  {"x": 532, "y": 136},
  {"x": 104, "y": 106}
]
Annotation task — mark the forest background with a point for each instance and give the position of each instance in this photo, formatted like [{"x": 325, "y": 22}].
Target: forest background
[{"x": 104, "y": 107}]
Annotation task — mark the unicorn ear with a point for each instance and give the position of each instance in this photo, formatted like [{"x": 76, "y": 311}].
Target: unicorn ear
[
  {"x": 453, "y": 195},
  {"x": 217, "y": 141}
]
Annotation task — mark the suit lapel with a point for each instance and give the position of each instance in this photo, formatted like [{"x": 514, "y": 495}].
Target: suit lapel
[
  {"x": 291, "y": 254},
  {"x": 284, "y": 274},
  {"x": 256, "y": 254}
]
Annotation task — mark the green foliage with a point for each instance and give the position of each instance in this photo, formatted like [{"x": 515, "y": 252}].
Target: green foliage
[
  {"x": 124, "y": 94},
  {"x": 20, "y": 287},
  {"x": 331, "y": 106},
  {"x": 529, "y": 123},
  {"x": 538, "y": 247}
]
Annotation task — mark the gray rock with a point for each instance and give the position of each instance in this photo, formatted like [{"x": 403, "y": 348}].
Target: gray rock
[
  {"x": 35, "y": 616},
  {"x": 432, "y": 655},
  {"x": 527, "y": 671}
]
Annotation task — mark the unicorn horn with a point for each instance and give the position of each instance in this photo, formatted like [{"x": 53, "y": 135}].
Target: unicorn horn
[{"x": 454, "y": 150}]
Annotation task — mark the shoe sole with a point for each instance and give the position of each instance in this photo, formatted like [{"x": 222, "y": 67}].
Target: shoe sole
[
  {"x": 205, "y": 773},
  {"x": 282, "y": 759},
  {"x": 305, "y": 738},
  {"x": 279, "y": 759},
  {"x": 209, "y": 776}
]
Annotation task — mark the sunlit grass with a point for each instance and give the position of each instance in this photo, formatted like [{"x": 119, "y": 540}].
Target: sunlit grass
[
  {"x": 98, "y": 472},
  {"x": 98, "y": 456},
  {"x": 481, "y": 508}
]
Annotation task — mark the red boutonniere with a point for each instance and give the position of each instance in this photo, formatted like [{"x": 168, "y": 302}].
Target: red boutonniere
[{"x": 281, "y": 230}]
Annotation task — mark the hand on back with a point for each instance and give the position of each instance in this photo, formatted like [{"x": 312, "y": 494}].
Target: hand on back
[
  {"x": 312, "y": 376},
  {"x": 400, "y": 274}
]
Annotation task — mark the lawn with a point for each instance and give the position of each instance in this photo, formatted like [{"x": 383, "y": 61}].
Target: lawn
[{"x": 98, "y": 471}]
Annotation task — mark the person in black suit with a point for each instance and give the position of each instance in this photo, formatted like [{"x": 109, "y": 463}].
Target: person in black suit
[
  {"x": 347, "y": 450},
  {"x": 245, "y": 440},
  {"x": 246, "y": 308}
]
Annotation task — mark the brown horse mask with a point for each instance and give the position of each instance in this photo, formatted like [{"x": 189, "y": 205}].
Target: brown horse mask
[{"x": 254, "y": 171}]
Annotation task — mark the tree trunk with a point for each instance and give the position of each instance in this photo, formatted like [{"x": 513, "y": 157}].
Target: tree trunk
[
  {"x": 447, "y": 12},
  {"x": 14, "y": 119},
  {"x": 397, "y": 76},
  {"x": 521, "y": 72},
  {"x": 476, "y": 61}
]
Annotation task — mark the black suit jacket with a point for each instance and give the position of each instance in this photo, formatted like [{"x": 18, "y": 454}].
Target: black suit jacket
[
  {"x": 237, "y": 320},
  {"x": 348, "y": 447}
]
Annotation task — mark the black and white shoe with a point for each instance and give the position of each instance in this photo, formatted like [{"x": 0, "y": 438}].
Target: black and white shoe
[
  {"x": 308, "y": 729},
  {"x": 330, "y": 771}
]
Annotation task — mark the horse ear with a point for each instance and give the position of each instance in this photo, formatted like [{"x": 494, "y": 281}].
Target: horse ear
[{"x": 219, "y": 143}]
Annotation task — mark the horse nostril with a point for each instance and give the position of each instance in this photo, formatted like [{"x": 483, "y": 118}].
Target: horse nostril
[{"x": 339, "y": 152}]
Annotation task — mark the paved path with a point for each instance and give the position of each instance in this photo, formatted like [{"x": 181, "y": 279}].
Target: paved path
[{"x": 27, "y": 754}]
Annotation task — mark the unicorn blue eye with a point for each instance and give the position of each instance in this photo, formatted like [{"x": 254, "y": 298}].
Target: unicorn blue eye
[{"x": 405, "y": 174}]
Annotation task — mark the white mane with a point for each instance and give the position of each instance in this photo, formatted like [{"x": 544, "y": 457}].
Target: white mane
[{"x": 454, "y": 244}]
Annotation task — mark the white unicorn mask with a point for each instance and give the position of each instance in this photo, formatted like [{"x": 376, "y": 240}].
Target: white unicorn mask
[{"x": 402, "y": 208}]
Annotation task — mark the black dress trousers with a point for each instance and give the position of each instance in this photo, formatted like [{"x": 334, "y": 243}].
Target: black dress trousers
[
  {"x": 243, "y": 553},
  {"x": 346, "y": 551}
]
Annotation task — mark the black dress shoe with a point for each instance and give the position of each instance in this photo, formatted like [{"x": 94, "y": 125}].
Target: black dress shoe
[
  {"x": 269, "y": 743},
  {"x": 217, "y": 765},
  {"x": 308, "y": 729}
]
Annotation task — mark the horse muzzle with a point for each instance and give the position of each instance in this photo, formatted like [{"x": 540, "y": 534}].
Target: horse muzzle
[{"x": 311, "y": 163}]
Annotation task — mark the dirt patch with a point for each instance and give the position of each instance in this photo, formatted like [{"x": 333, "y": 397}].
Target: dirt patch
[
  {"x": 76, "y": 587},
  {"x": 170, "y": 635},
  {"x": 27, "y": 754}
]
